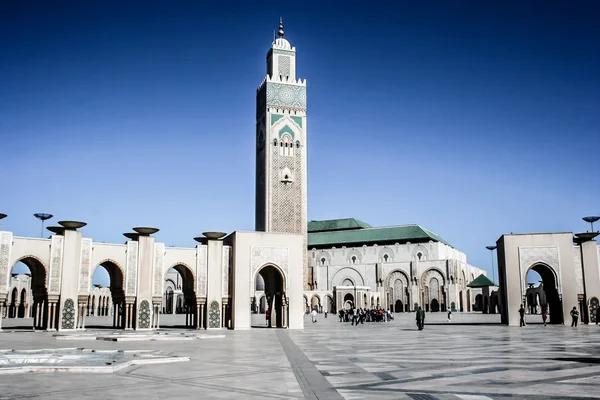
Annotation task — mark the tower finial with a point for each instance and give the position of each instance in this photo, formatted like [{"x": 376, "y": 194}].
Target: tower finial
[{"x": 280, "y": 33}]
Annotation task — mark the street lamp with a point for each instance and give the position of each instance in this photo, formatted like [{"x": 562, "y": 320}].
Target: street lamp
[
  {"x": 43, "y": 217},
  {"x": 579, "y": 239},
  {"x": 491, "y": 249},
  {"x": 591, "y": 220}
]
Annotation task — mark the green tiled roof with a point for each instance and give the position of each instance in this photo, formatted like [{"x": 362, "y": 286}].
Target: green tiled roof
[
  {"x": 336, "y": 225},
  {"x": 481, "y": 281},
  {"x": 357, "y": 237}
]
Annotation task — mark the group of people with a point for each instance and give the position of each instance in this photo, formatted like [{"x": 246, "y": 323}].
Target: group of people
[
  {"x": 362, "y": 315},
  {"x": 574, "y": 316}
]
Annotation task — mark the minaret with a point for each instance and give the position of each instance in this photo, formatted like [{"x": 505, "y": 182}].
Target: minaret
[{"x": 281, "y": 145}]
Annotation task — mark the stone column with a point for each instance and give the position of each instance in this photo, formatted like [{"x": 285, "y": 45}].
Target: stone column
[
  {"x": 284, "y": 311},
  {"x": 198, "y": 314},
  {"x": 2, "y": 304},
  {"x": 201, "y": 322}
]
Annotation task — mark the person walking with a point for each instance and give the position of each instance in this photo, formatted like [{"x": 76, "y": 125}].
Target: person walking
[
  {"x": 314, "y": 315},
  {"x": 449, "y": 315},
  {"x": 420, "y": 318},
  {"x": 268, "y": 317},
  {"x": 544, "y": 316},
  {"x": 574, "y": 316},
  {"x": 522, "y": 316}
]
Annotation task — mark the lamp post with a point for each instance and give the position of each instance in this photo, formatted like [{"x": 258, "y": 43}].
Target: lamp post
[
  {"x": 580, "y": 239},
  {"x": 491, "y": 249},
  {"x": 591, "y": 220},
  {"x": 43, "y": 217}
]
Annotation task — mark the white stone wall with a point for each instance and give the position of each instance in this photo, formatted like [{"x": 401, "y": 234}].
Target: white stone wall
[{"x": 367, "y": 265}]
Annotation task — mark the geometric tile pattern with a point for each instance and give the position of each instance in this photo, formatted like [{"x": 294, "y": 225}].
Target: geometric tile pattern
[
  {"x": 396, "y": 361},
  {"x": 68, "y": 315}
]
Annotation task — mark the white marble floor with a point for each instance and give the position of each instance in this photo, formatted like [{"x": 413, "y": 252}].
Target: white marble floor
[{"x": 333, "y": 360}]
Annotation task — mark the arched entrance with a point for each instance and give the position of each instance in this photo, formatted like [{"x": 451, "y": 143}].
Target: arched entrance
[
  {"x": 478, "y": 306},
  {"x": 180, "y": 300},
  {"x": 398, "y": 307},
  {"x": 435, "y": 305},
  {"x": 349, "y": 301},
  {"x": 315, "y": 303},
  {"x": 109, "y": 314},
  {"x": 594, "y": 305},
  {"x": 274, "y": 294},
  {"x": 553, "y": 304},
  {"x": 18, "y": 307},
  {"x": 329, "y": 304}
]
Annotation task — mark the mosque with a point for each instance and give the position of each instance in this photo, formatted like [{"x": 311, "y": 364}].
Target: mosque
[{"x": 289, "y": 265}]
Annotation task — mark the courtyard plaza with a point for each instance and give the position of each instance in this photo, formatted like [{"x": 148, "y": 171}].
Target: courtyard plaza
[{"x": 472, "y": 358}]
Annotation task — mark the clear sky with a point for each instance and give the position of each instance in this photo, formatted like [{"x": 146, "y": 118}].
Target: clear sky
[{"x": 470, "y": 118}]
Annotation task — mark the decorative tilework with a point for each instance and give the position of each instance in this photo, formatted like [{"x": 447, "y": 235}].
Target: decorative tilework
[
  {"x": 285, "y": 95},
  {"x": 297, "y": 120},
  {"x": 85, "y": 266},
  {"x": 290, "y": 53},
  {"x": 56, "y": 263},
  {"x": 131, "y": 278},
  {"x": 284, "y": 65},
  {"x": 214, "y": 315},
  {"x": 286, "y": 129},
  {"x": 5, "y": 247},
  {"x": 275, "y": 118},
  {"x": 68, "y": 315},
  {"x": 144, "y": 315}
]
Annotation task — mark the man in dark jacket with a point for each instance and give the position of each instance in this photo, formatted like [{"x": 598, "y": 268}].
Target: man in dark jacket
[
  {"x": 522, "y": 315},
  {"x": 420, "y": 318}
]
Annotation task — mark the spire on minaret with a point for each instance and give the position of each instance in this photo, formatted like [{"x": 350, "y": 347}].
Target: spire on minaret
[{"x": 280, "y": 33}]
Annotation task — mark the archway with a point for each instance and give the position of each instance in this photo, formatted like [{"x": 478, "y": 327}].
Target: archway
[
  {"x": 22, "y": 311},
  {"x": 398, "y": 307},
  {"x": 315, "y": 303},
  {"x": 28, "y": 285},
  {"x": 435, "y": 305},
  {"x": 274, "y": 286},
  {"x": 349, "y": 301},
  {"x": 179, "y": 298},
  {"x": 478, "y": 306},
  {"x": 594, "y": 305},
  {"x": 109, "y": 313},
  {"x": 329, "y": 304},
  {"x": 550, "y": 288}
]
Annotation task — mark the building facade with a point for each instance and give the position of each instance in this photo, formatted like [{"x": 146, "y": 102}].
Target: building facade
[{"x": 398, "y": 268}]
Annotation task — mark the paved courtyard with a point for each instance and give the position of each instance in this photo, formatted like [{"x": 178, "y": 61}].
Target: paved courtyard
[{"x": 333, "y": 360}]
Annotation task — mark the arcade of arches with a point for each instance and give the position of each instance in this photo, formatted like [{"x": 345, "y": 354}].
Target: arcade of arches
[{"x": 146, "y": 279}]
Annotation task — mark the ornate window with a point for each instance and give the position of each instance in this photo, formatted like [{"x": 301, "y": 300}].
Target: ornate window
[
  {"x": 353, "y": 259},
  {"x": 419, "y": 255},
  {"x": 286, "y": 146},
  {"x": 385, "y": 258}
]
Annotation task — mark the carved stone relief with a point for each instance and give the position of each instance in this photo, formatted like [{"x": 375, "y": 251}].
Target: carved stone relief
[
  {"x": 5, "y": 247},
  {"x": 226, "y": 268},
  {"x": 270, "y": 255},
  {"x": 85, "y": 265},
  {"x": 55, "y": 264},
  {"x": 201, "y": 265},
  {"x": 529, "y": 256},
  {"x": 132, "y": 255},
  {"x": 159, "y": 256}
]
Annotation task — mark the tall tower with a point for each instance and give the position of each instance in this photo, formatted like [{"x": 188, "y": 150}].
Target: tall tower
[{"x": 281, "y": 145}]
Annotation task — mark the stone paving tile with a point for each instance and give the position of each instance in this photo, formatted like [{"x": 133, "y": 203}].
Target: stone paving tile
[
  {"x": 453, "y": 361},
  {"x": 372, "y": 361}
]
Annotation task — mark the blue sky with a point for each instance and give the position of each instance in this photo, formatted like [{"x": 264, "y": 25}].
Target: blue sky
[{"x": 470, "y": 118}]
